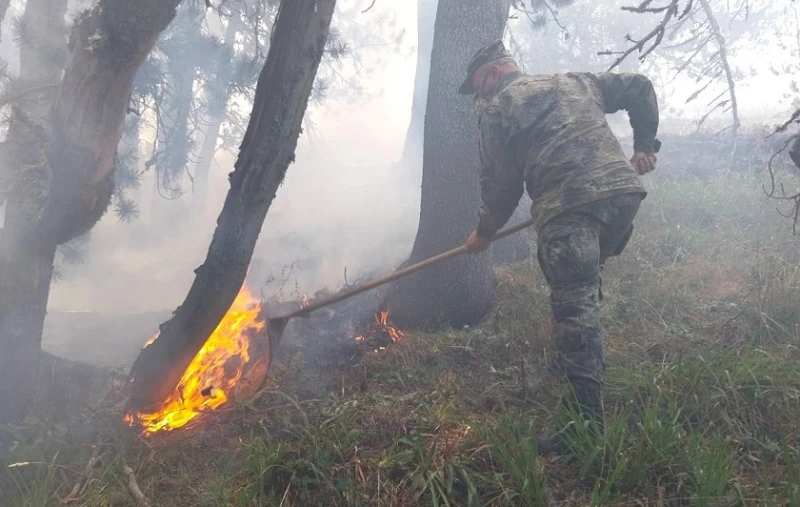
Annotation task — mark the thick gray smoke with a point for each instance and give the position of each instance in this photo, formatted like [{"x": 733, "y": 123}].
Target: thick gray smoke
[{"x": 347, "y": 203}]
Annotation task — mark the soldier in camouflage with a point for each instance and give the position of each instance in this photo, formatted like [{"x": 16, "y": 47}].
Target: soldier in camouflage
[{"x": 549, "y": 133}]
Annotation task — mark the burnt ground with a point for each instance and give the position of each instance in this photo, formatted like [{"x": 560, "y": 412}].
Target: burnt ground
[{"x": 87, "y": 357}]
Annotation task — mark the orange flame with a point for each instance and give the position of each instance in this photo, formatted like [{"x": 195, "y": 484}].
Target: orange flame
[
  {"x": 304, "y": 302},
  {"x": 383, "y": 320},
  {"x": 381, "y": 326},
  {"x": 213, "y": 373}
]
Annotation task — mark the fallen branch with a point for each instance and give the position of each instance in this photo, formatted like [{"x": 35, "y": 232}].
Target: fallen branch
[
  {"x": 133, "y": 487},
  {"x": 83, "y": 482}
]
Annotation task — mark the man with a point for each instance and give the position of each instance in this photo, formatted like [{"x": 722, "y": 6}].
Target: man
[{"x": 549, "y": 133}]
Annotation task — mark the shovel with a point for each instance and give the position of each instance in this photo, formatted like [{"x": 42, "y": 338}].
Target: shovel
[{"x": 277, "y": 324}]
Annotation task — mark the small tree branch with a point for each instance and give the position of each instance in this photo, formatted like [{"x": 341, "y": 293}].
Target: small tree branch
[
  {"x": 671, "y": 11},
  {"x": 792, "y": 119},
  {"x": 772, "y": 192}
]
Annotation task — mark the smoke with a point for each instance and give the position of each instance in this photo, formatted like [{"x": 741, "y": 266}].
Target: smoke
[
  {"x": 346, "y": 203},
  {"x": 348, "y": 209}
]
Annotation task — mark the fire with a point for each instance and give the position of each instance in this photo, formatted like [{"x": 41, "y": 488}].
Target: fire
[
  {"x": 216, "y": 369},
  {"x": 381, "y": 332},
  {"x": 304, "y": 302},
  {"x": 383, "y": 320}
]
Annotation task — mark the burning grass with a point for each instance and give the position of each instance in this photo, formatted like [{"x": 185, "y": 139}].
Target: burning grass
[
  {"x": 381, "y": 333},
  {"x": 703, "y": 394}
]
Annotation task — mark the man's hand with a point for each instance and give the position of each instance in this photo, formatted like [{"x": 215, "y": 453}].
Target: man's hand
[
  {"x": 643, "y": 163},
  {"x": 476, "y": 244}
]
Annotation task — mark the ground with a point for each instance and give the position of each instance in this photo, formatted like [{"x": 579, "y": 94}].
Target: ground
[{"x": 702, "y": 394}]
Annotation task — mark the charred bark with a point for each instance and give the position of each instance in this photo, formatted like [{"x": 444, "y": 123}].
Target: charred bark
[
  {"x": 284, "y": 86},
  {"x": 66, "y": 183},
  {"x": 461, "y": 291}
]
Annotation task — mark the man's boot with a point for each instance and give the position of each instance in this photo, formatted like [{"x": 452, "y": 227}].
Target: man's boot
[{"x": 588, "y": 404}]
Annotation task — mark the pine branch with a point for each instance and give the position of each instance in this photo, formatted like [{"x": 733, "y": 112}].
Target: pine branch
[{"x": 126, "y": 209}]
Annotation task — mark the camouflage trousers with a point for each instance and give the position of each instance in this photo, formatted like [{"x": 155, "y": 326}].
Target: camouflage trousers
[{"x": 572, "y": 249}]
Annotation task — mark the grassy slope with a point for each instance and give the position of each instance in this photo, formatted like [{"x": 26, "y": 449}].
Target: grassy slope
[{"x": 702, "y": 396}]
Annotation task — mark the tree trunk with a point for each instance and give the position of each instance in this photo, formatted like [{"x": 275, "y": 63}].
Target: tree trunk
[
  {"x": 108, "y": 45},
  {"x": 426, "y": 15},
  {"x": 216, "y": 113},
  {"x": 67, "y": 183},
  {"x": 27, "y": 268},
  {"x": 298, "y": 42},
  {"x": 461, "y": 291}
]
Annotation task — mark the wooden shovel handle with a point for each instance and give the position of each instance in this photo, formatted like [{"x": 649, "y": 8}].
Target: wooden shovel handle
[{"x": 400, "y": 273}]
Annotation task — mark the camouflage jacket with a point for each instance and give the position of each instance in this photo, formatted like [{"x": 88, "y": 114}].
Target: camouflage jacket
[{"x": 549, "y": 133}]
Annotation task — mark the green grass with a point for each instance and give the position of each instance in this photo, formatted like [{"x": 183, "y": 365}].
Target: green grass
[{"x": 702, "y": 394}]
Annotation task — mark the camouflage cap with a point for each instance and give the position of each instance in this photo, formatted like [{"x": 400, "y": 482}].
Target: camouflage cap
[{"x": 494, "y": 51}]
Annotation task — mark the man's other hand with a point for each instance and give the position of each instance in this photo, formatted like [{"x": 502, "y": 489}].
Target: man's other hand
[
  {"x": 476, "y": 244},
  {"x": 643, "y": 163}
]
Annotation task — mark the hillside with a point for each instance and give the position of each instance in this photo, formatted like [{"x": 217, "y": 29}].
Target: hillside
[{"x": 703, "y": 394}]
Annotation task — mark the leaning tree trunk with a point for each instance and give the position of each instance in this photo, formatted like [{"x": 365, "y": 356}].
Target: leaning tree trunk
[
  {"x": 67, "y": 181},
  {"x": 461, "y": 291},
  {"x": 298, "y": 42}
]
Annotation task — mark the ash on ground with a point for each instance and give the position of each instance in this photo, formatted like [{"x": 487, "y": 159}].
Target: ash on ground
[{"x": 326, "y": 341}]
